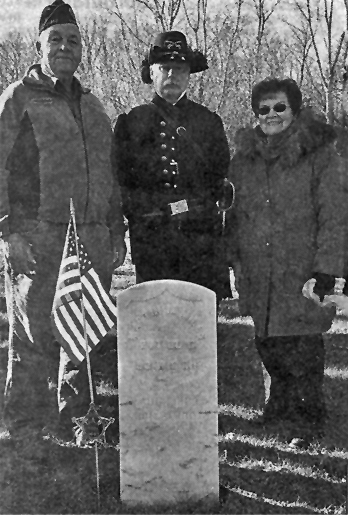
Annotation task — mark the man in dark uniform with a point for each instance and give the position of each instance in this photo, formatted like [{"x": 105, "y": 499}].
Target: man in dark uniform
[{"x": 172, "y": 157}]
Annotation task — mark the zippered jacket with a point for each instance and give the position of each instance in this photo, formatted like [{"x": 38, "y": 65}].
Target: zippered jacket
[{"x": 48, "y": 157}]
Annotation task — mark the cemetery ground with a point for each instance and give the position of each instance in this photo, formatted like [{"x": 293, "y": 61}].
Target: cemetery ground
[{"x": 259, "y": 473}]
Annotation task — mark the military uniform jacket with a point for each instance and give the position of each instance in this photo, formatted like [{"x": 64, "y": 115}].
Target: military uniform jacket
[{"x": 157, "y": 166}]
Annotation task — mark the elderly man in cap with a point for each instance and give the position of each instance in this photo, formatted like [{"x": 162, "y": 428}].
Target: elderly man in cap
[
  {"x": 55, "y": 144},
  {"x": 172, "y": 157}
]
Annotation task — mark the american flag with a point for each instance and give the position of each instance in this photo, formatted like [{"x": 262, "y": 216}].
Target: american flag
[{"x": 67, "y": 316}]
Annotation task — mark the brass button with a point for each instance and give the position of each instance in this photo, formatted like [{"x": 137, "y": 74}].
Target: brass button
[
  {"x": 175, "y": 186},
  {"x": 174, "y": 173},
  {"x": 173, "y": 149},
  {"x": 163, "y": 134},
  {"x": 165, "y": 171},
  {"x": 173, "y": 137},
  {"x": 167, "y": 185},
  {"x": 163, "y": 145},
  {"x": 164, "y": 158},
  {"x": 163, "y": 123}
]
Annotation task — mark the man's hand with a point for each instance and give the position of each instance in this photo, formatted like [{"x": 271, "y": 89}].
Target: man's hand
[
  {"x": 119, "y": 251},
  {"x": 20, "y": 255}
]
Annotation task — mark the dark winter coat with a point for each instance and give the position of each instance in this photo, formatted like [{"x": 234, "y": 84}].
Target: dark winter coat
[{"x": 289, "y": 221}]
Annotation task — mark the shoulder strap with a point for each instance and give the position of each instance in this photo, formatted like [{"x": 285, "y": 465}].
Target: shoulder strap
[{"x": 179, "y": 129}]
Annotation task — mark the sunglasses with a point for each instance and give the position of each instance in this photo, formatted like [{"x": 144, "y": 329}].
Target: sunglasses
[{"x": 278, "y": 108}]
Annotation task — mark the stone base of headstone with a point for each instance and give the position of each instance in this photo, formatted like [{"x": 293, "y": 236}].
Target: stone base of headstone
[{"x": 168, "y": 394}]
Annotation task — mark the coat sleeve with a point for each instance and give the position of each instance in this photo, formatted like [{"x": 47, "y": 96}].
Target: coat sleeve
[
  {"x": 219, "y": 157},
  {"x": 331, "y": 203},
  {"x": 12, "y": 107},
  {"x": 232, "y": 238},
  {"x": 123, "y": 160},
  {"x": 115, "y": 218}
]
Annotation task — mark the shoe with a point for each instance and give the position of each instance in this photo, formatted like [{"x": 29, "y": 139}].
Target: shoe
[
  {"x": 300, "y": 443},
  {"x": 304, "y": 436}
]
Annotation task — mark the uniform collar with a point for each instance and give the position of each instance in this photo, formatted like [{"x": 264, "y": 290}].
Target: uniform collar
[{"x": 159, "y": 101}]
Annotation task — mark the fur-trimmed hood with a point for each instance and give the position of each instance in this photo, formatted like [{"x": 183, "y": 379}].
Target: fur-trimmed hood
[{"x": 305, "y": 135}]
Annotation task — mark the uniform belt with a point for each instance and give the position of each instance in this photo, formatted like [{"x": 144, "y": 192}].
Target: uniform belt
[{"x": 178, "y": 208}]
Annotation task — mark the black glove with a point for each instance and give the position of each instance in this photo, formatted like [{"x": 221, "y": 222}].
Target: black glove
[{"x": 324, "y": 284}]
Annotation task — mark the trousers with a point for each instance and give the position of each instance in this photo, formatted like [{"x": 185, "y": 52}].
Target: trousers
[
  {"x": 177, "y": 251},
  {"x": 294, "y": 375},
  {"x": 32, "y": 393}
]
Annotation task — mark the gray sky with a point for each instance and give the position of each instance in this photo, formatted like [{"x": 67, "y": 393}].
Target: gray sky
[{"x": 19, "y": 15}]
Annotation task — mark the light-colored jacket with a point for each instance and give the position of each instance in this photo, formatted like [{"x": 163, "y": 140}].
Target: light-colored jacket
[{"x": 46, "y": 157}]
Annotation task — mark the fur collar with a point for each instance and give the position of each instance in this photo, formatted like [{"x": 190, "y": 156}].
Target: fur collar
[{"x": 305, "y": 135}]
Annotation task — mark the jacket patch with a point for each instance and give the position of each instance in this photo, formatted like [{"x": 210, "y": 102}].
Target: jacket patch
[{"x": 42, "y": 100}]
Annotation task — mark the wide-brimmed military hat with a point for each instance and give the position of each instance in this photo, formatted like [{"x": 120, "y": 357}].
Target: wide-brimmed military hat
[
  {"x": 55, "y": 14},
  {"x": 172, "y": 46}
]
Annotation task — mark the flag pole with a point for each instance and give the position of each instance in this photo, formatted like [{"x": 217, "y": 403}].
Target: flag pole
[
  {"x": 72, "y": 211},
  {"x": 88, "y": 362}
]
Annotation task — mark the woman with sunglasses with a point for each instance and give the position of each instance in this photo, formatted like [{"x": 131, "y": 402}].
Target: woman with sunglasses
[{"x": 288, "y": 226}]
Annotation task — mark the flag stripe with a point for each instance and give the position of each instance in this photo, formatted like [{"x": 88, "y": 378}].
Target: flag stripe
[
  {"x": 106, "y": 297},
  {"x": 69, "y": 289},
  {"x": 73, "y": 333},
  {"x": 98, "y": 305},
  {"x": 69, "y": 260},
  {"x": 98, "y": 308},
  {"x": 93, "y": 317},
  {"x": 89, "y": 331},
  {"x": 69, "y": 274},
  {"x": 103, "y": 297},
  {"x": 69, "y": 315},
  {"x": 72, "y": 347},
  {"x": 76, "y": 276}
]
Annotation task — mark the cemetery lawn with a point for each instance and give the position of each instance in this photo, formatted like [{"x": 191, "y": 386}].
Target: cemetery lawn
[{"x": 259, "y": 473}]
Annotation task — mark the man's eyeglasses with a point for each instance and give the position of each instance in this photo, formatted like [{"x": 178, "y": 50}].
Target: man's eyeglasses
[{"x": 278, "y": 108}]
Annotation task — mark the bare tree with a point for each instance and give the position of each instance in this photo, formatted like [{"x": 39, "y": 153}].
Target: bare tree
[
  {"x": 319, "y": 17},
  {"x": 300, "y": 45},
  {"x": 17, "y": 52},
  {"x": 264, "y": 10}
]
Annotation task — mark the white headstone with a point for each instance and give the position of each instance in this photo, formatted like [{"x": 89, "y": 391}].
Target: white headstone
[{"x": 168, "y": 394}]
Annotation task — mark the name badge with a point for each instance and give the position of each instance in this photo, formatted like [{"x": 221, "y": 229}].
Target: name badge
[{"x": 179, "y": 207}]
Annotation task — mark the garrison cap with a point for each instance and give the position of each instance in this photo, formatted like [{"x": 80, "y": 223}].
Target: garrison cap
[
  {"x": 55, "y": 14},
  {"x": 172, "y": 46}
]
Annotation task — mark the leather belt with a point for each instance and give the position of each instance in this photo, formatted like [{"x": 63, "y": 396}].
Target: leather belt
[{"x": 177, "y": 208}]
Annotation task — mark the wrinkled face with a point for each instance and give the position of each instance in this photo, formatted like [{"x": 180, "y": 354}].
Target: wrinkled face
[
  {"x": 170, "y": 79},
  {"x": 275, "y": 114},
  {"x": 61, "y": 49}
]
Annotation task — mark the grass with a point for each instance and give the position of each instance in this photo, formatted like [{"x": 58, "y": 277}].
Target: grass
[{"x": 259, "y": 473}]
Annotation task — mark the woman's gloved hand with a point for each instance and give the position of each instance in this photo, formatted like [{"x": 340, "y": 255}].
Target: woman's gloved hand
[
  {"x": 318, "y": 287},
  {"x": 324, "y": 284}
]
